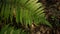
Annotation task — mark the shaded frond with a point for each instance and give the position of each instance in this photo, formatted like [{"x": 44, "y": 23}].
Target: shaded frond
[{"x": 11, "y": 30}]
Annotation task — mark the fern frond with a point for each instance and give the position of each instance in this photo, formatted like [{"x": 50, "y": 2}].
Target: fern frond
[
  {"x": 11, "y": 30},
  {"x": 26, "y": 11}
]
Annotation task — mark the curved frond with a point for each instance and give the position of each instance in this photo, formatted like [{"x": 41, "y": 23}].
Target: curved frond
[{"x": 26, "y": 11}]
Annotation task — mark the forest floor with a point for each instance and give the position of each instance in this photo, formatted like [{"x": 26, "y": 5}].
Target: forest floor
[{"x": 42, "y": 29}]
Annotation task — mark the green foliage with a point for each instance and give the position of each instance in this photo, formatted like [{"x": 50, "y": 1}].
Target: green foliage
[
  {"x": 26, "y": 11},
  {"x": 11, "y": 30}
]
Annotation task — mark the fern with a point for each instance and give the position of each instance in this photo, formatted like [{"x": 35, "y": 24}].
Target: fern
[
  {"x": 25, "y": 11},
  {"x": 11, "y": 30}
]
